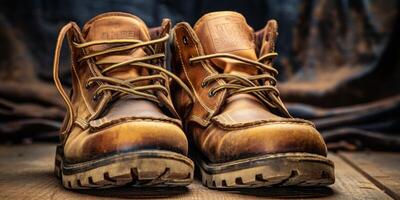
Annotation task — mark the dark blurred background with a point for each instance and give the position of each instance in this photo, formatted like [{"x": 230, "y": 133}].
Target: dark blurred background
[{"x": 339, "y": 61}]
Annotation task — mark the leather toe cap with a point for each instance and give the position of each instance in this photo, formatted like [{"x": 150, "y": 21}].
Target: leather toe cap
[
  {"x": 126, "y": 137},
  {"x": 223, "y": 146}
]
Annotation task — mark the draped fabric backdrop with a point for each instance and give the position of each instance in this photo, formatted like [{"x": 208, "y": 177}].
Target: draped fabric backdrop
[{"x": 339, "y": 61}]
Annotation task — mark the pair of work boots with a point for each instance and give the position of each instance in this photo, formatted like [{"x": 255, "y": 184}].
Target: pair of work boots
[{"x": 143, "y": 99}]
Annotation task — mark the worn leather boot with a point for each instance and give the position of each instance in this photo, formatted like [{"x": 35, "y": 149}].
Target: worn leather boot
[
  {"x": 121, "y": 127},
  {"x": 244, "y": 135}
]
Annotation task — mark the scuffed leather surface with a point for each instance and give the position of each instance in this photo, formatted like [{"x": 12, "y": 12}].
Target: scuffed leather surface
[
  {"x": 187, "y": 45},
  {"x": 241, "y": 126},
  {"x": 221, "y": 145},
  {"x": 361, "y": 35},
  {"x": 140, "y": 134},
  {"x": 127, "y": 123}
]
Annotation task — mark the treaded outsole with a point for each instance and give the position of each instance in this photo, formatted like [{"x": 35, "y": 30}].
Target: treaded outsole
[
  {"x": 290, "y": 169},
  {"x": 158, "y": 169}
]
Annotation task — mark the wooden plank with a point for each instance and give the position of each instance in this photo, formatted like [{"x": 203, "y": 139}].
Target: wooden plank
[
  {"x": 381, "y": 168},
  {"x": 350, "y": 184},
  {"x": 26, "y": 172}
]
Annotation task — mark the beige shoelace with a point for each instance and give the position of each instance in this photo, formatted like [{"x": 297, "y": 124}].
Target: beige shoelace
[
  {"x": 118, "y": 87},
  {"x": 267, "y": 93}
]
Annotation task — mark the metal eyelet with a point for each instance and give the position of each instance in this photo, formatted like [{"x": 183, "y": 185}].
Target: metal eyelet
[
  {"x": 211, "y": 94},
  {"x": 75, "y": 41},
  {"x": 185, "y": 40},
  {"x": 88, "y": 85},
  {"x": 96, "y": 97},
  {"x": 189, "y": 60},
  {"x": 203, "y": 84}
]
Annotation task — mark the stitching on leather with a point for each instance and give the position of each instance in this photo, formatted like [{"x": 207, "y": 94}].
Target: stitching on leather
[
  {"x": 219, "y": 81},
  {"x": 206, "y": 67},
  {"x": 190, "y": 82},
  {"x": 132, "y": 119},
  {"x": 239, "y": 126},
  {"x": 305, "y": 156},
  {"x": 187, "y": 76},
  {"x": 73, "y": 66},
  {"x": 214, "y": 108},
  {"x": 211, "y": 71}
]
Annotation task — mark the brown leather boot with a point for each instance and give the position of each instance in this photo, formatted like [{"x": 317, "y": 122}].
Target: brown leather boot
[
  {"x": 244, "y": 134},
  {"x": 121, "y": 127}
]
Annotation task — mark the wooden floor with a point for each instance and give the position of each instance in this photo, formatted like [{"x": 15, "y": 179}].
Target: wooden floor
[{"x": 26, "y": 172}]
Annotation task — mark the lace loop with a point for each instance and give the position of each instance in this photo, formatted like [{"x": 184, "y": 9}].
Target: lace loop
[
  {"x": 110, "y": 87},
  {"x": 56, "y": 77},
  {"x": 128, "y": 86},
  {"x": 256, "y": 84},
  {"x": 257, "y": 64}
]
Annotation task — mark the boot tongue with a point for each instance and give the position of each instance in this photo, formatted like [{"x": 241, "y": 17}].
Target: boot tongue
[
  {"x": 227, "y": 32},
  {"x": 113, "y": 26}
]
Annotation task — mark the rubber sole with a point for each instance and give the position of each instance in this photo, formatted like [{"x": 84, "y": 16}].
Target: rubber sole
[
  {"x": 146, "y": 168},
  {"x": 286, "y": 169}
]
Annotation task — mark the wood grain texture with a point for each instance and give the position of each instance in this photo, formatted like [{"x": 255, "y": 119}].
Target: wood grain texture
[
  {"x": 381, "y": 168},
  {"x": 26, "y": 172}
]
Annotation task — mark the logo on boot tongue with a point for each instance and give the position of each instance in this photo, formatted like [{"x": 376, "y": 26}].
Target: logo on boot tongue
[
  {"x": 229, "y": 34},
  {"x": 112, "y": 35}
]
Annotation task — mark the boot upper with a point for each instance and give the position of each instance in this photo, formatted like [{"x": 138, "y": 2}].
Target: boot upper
[
  {"x": 120, "y": 97},
  {"x": 237, "y": 112}
]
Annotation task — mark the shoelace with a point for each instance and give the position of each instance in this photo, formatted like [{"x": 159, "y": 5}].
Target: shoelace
[
  {"x": 267, "y": 93},
  {"x": 118, "y": 87}
]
